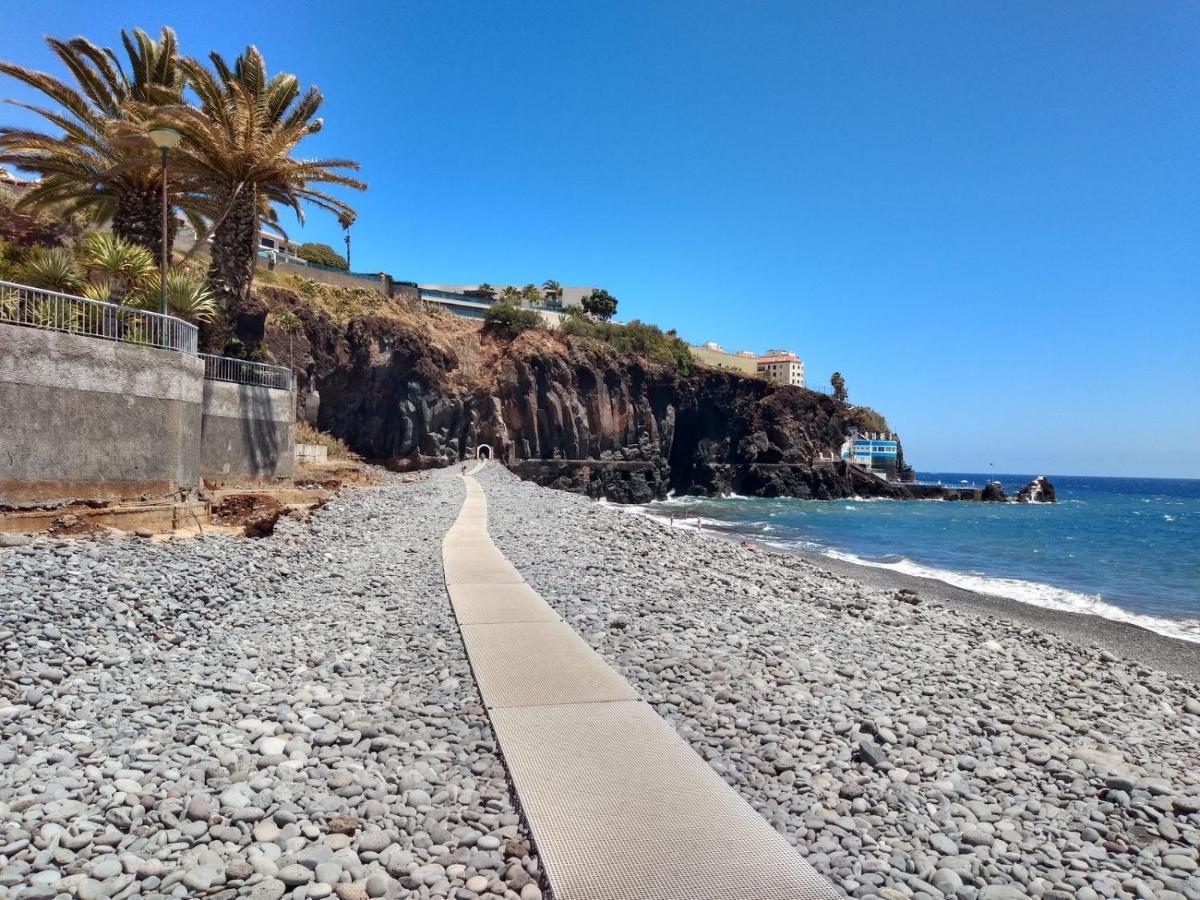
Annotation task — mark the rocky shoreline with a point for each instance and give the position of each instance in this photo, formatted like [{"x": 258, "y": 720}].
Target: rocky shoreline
[
  {"x": 907, "y": 746},
  {"x": 295, "y": 715}
]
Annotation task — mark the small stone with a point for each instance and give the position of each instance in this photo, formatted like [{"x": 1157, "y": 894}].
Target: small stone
[
  {"x": 342, "y": 824},
  {"x": 294, "y": 874},
  {"x": 531, "y": 892},
  {"x": 374, "y": 841},
  {"x": 872, "y": 754},
  {"x": 199, "y": 809},
  {"x": 1180, "y": 862},
  {"x": 477, "y": 884},
  {"x": 377, "y": 885}
]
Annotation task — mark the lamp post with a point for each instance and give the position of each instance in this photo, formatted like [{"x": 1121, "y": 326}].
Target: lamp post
[{"x": 165, "y": 139}]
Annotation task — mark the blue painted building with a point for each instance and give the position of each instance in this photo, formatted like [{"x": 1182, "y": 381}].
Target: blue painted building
[{"x": 878, "y": 451}]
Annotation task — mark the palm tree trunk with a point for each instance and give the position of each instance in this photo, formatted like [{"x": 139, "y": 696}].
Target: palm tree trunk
[
  {"x": 138, "y": 218},
  {"x": 235, "y": 251}
]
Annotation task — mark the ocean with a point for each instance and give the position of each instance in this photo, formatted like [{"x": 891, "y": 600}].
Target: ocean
[{"x": 1127, "y": 549}]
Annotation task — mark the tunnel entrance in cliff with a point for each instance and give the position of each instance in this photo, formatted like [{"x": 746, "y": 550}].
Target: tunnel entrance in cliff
[{"x": 483, "y": 451}]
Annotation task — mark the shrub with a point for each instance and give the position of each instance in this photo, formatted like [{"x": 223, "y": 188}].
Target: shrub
[
  {"x": 306, "y": 434},
  {"x": 601, "y": 304},
  {"x": 868, "y": 419},
  {"x": 52, "y": 268},
  {"x": 636, "y": 337},
  {"x": 322, "y": 254},
  {"x": 506, "y": 316},
  {"x": 10, "y": 260}
]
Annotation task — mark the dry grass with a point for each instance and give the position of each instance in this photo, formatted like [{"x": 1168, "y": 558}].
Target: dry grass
[{"x": 306, "y": 434}]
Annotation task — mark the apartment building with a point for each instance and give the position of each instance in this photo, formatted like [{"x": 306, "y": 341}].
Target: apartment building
[{"x": 781, "y": 367}]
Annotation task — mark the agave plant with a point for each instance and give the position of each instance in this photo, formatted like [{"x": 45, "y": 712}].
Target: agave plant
[
  {"x": 187, "y": 296},
  {"x": 98, "y": 160},
  {"x": 52, "y": 268},
  {"x": 239, "y": 147},
  {"x": 113, "y": 266}
]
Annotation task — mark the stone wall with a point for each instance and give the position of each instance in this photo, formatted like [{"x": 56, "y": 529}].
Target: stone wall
[
  {"x": 248, "y": 433},
  {"x": 86, "y": 418},
  {"x": 82, "y": 418}
]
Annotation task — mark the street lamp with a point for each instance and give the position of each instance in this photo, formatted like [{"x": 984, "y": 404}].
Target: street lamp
[{"x": 165, "y": 139}]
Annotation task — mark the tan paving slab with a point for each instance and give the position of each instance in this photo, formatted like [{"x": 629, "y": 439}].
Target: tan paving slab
[
  {"x": 623, "y": 809},
  {"x": 480, "y": 604},
  {"x": 477, "y": 568},
  {"x": 535, "y": 663}
]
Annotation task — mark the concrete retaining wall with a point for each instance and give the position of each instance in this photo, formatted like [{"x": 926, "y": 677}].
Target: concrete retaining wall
[
  {"x": 86, "y": 418},
  {"x": 248, "y": 432},
  {"x": 325, "y": 276},
  {"x": 83, "y": 418}
]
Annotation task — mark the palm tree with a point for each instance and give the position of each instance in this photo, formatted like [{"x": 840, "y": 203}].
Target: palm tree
[
  {"x": 531, "y": 295},
  {"x": 102, "y": 163},
  {"x": 237, "y": 147},
  {"x": 553, "y": 291}
]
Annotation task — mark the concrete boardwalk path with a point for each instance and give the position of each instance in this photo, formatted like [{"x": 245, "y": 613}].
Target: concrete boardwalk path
[{"x": 620, "y": 807}]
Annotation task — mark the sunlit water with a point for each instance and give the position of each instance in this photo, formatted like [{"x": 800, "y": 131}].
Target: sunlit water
[{"x": 1124, "y": 548}]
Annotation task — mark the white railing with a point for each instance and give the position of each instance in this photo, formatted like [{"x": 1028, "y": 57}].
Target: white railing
[
  {"x": 244, "y": 371},
  {"x": 38, "y": 308}
]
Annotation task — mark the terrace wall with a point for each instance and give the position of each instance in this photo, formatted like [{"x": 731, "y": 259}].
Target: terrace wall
[
  {"x": 86, "y": 418},
  {"x": 248, "y": 433},
  {"x": 82, "y": 418}
]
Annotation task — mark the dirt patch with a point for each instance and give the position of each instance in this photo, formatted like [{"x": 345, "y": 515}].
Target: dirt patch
[
  {"x": 256, "y": 513},
  {"x": 71, "y": 525}
]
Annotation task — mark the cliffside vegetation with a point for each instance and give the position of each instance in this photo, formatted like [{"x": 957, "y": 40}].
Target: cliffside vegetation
[{"x": 322, "y": 254}]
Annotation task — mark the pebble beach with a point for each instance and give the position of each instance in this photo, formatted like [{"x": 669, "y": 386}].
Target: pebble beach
[{"x": 295, "y": 715}]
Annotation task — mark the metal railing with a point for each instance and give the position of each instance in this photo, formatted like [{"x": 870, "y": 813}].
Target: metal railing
[
  {"x": 244, "y": 371},
  {"x": 277, "y": 258},
  {"x": 21, "y": 304}
]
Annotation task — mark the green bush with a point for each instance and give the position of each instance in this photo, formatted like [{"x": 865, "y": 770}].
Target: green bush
[
  {"x": 322, "y": 254},
  {"x": 640, "y": 338},
  {"x": 507, "y": 316},
  {"x": 600, "y": 303},
  {"x": 868, "y": 419},
  {"x": 10, "y": 260}
]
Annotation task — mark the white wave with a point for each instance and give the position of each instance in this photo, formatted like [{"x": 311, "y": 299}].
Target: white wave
[{"x": 1034, "y": 593}]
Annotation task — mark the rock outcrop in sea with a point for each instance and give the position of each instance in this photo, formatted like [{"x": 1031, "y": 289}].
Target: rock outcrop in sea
[{"x": 1040, "y": 490}]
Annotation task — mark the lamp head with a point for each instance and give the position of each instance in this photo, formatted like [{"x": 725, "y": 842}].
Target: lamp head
[{"x": 165, "y": 138}]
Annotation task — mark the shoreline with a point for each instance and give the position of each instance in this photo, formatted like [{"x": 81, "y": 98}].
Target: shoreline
[{"x": 1173, "y": 655}]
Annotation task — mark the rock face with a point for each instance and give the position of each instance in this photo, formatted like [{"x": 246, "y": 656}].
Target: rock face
[
  {"x": 1040, "y": 490},
  {"x": 423, "y": 391},
  {"x": 993, "y": 492}
]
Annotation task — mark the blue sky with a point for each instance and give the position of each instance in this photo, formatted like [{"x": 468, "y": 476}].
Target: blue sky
[{"x": 985, "y": 215}]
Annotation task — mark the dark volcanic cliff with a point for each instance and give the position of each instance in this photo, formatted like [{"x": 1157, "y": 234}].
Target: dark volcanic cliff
[{"x": 416, "y": 390}]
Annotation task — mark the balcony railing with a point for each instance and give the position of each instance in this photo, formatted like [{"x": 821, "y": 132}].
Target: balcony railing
[
  {"x": 39, "y": 308},
  {"x": 244, "y": 371}
]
